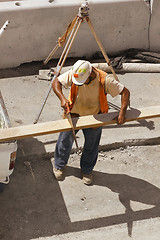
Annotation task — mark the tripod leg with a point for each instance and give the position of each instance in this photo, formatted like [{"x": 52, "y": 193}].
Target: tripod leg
[
  {"x": 64, "y": 54},
  {"x": 61, "y": 40},
  {"x": 69, "y": 39},
  {"x": 101, "y": 48},
  {"x": 69, "y": 47},
  {"x": 51, "y": 54},
  {"x": 44, "y": 102}
]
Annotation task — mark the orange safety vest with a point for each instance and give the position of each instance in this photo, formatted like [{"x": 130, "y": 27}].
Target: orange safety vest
[{"x": 102, "y": 94}]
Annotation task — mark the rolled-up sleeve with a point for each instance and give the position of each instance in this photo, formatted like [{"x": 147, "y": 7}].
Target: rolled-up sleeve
[
  {"x": 112, "y": 86},
  {"x": 66, "y": 79}
]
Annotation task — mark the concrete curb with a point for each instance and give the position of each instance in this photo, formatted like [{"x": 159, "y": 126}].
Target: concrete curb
[{"x": 102, "y": 147}]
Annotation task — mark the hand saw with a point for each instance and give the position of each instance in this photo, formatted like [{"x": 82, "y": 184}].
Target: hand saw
[{"x": 68, "y": 115}]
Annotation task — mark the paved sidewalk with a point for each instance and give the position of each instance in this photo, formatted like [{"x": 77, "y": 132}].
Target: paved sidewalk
[{"x": 123, "y": 202}]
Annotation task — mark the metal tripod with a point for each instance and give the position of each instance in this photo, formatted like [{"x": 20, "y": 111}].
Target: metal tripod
[{"x": 72, "y": 32}]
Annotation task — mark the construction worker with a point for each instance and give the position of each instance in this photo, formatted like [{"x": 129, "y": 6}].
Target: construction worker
[{"x": 88, "y": 96}]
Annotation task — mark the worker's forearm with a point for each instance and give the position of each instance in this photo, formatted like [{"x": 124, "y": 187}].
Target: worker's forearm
[
  {"x": 57, "y": 88},
  {"x": 125, "y": 96}
]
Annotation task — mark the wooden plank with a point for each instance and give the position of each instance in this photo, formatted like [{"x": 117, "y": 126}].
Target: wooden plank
[{"x": 79, "y": 123}]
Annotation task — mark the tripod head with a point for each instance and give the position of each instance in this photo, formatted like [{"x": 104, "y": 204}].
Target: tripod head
[{"x": 83, "y": 10}]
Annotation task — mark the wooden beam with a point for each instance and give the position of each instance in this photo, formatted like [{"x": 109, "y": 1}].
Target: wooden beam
[{"x": 79, "y": 123}]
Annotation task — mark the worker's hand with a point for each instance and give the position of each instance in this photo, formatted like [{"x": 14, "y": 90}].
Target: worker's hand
[
  {"x": 121, "y": 118},
  {"x": 65, "y": 105}
]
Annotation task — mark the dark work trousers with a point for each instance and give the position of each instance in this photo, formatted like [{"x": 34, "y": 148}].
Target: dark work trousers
[{"x": 90, "y": 150}]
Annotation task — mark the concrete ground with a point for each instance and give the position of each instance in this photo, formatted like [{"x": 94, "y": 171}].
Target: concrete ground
[{"x": 122, "y": 203}]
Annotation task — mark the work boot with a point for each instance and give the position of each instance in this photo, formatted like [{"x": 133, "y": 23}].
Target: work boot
[
  {"x": 58, "y": 173},
  {"x": 87, "y": 178}
]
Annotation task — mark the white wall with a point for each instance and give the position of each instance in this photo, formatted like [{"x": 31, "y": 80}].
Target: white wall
[{"x": 35, "y": 26}]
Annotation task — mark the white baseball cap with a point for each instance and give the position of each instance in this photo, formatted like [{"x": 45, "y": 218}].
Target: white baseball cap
[{"x": 81, "y": 71}]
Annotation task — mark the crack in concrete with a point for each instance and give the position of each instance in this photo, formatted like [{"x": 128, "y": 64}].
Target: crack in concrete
[{"x": 149, "y": 4}]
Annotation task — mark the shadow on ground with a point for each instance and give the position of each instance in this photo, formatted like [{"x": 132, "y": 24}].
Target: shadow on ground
[
  {"x": 32, "y": 68},
  {"x": 32, "y": 205},
  {"x": 139, "y": 123}
]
